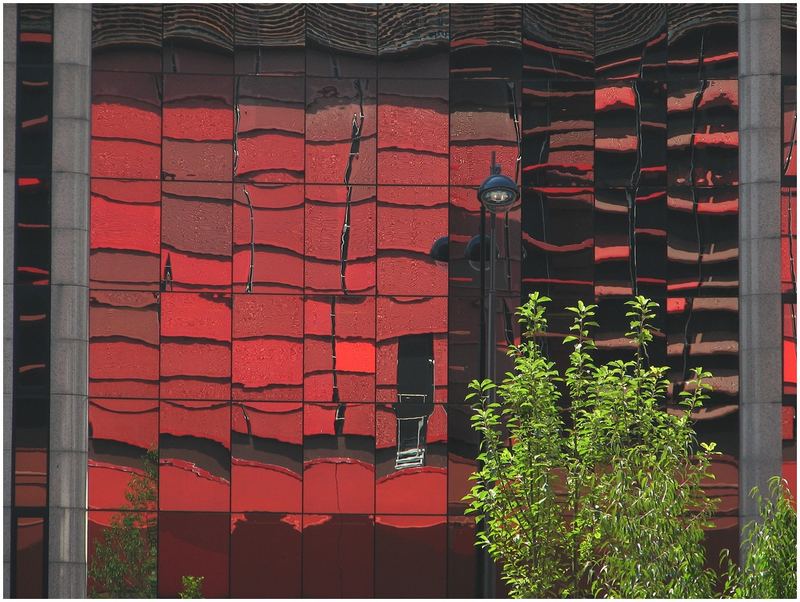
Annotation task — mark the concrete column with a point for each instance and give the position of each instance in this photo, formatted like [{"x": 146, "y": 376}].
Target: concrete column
[
  {"x": 760, "y": 328},
  {"x": 69, "y": 337},
  {"x": 9, "y": 139}
]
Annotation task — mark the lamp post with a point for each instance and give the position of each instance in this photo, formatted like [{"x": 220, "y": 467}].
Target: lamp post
[{"x": 497, "y": 194}]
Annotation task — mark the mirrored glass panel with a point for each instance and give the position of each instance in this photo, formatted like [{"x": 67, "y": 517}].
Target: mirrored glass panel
[
  {"x": 339, "y": 458},
  {"x": 266, "y": 457},
  {"x": 413, "y": 38},
  {"x": 269, "y": 126},
  {"x": 123, "y": 452},
  {"x": 338, "y": 556},
  {"x": 630, "y": 41},
  {"x": 194, "y": 543},
  {"x": 125, "y": 238},
  {"x": 196, "y": 236},
  {"x": 340, "y": 239},
  {"x": 195, "y": 346},
  {"x": 198, "y": 38},
  {"x": 341, "y": 40},
  {"x": 485, "y": 40},
  {"x": 265, "y": 556},
  {"x": 194, "y": 455},
  {"x": 558, "y": 41},
  {"x": 126, "y": 125},
  {"x": 270, "y": 38}
]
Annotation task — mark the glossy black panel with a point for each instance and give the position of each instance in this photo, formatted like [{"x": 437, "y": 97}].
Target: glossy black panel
[
  {"x": 198, "y": 38},
  {"x": 126, "y": 37},
  {"x": 558, "y": 241},
  {"x": 485, "y": 40},
  {"x": 463, "y": 345},
  {"x": 703, "y": 133},
  {"x": 558, "y": 41},
  {"x": 341, "y": 40},
  {"x": 703, "y": 41},
  {"x": 630, "y": 134},
  {"x": 34, "y": 119},
  {"x": 35, "y": 41},
  {"x": 32, "y": 244},
  {"x": 703, "y": 242},
  {"x": 558, "y": 133},
  {"x": 270, "y": 38},
  {"x": 413, "y": 38},
  {"x": 31, "y": 340},
  {"x": 338, "y": 556},
  {"x": 630, "y": 41}
]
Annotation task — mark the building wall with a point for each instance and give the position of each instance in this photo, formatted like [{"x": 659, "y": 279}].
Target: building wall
[{"x": 285, "y": 238}]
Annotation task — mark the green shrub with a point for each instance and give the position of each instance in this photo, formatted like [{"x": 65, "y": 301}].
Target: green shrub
[
  {"x": 124, "y": 560},
  {"x": 604, "y": 500},
  {"x": 192, "y": 587},
  {"x": 770, "y": 567}
]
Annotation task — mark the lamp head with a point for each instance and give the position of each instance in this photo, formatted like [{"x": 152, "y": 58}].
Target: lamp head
[{"x": 498, "y": 192}]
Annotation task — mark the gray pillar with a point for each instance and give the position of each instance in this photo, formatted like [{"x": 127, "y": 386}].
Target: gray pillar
[
  {"x": 9, "y": 135},
  {"x": 760, "y": 327},
  {"x": 69, "y": 337}
]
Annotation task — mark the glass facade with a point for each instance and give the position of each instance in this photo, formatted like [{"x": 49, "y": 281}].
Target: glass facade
[{"x": 286, "y": 262}]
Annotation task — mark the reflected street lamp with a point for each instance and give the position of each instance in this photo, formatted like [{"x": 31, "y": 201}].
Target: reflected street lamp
[{"x": 497, "y": 194}]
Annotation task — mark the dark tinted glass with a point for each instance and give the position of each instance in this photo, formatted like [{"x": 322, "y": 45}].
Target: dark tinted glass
[
  {"x": 413, "y": 38},
  {"x": 270, "y": 38},
  {"x": 341, "y": 40},
  {"x": 703, "y": 41},
  {"x": 485, "y": 40},
  {"x": 198, "y": 38},
  {"x": 630, "y": 41},
  {"x": 558, "y": 41},
  {"x": 127, "y": 37}
]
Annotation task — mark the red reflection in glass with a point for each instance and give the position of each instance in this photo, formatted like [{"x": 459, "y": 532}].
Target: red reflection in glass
[
  {"x": 30, "y": 476},
  {"x": 630, "y": 41},
  {"x": 406, "y": 546},
  {"x": 400, "y": 317},
  {"x": 195, "y": 346},
  {"x": 463, "y": 346},
  {"x": 462, "y": 558},
  {"x": 703, "y": 41},
  {"x": 558, "y": 235},
  {"x": 485, "y": 40},
  {"x": 196, "y": 236},
  {"x": 125, "y": 237},
  {"x": 193, "y": 543},
  {"x": 268, "y": 141},
  {"x": 558, "y": 134},
  {"x": 481, "y": 123},
  {"x": 413, "y": 136},
  {"x": 198, "y": 128},
  {"x": 265, "y": 555},
  {"x": 410, "y": 221},
  {"x": 194, "y": 454},
  {"x": 126, "y": 37},
  {"x": 336, "y": 135},
  {"x": 703, "y": 241},
  {"x": 411, "y": 458},
  {"x": 703, "y": 133},
  {"x": 123, "y": 344},
  {"x": 126, "y": 125},
  {"x": 339, "y": 349},
  {"x": 266, "y": 457},
  {"x": 268, "y": 347},
  {"x": 710, "y": 339},
  {"x": 121, "y": 431},
  {"x": 268, "y": 226},
  {"x": 339, "y": 454},
  {"x": 789, "y": 168},
  {"x": 30, "y": 560},
  {"x": 462, "y": 449},
  {"x": 340, "y": 239},
  {"x": 338, "y": 556}
]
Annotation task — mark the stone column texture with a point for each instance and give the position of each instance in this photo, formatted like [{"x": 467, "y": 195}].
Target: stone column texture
[
  {"x": 69, "y": 300},
  {"x": 760, "y": 250}
]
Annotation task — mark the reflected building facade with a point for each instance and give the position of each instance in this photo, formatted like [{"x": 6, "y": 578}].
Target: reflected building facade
[{"x": 285, "y": 275}]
